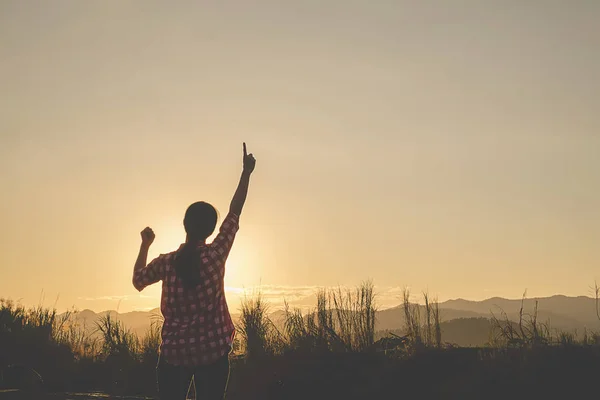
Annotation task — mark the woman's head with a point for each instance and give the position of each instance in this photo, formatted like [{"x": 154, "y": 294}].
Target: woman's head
[{"x": 200, "y": 220}]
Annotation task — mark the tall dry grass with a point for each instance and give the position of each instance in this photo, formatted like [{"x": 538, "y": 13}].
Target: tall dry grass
[
  {"x": 343, "y": 321},
  {"x": 423, "y": 330},
  {"x": 412, "y": 320},
  {"x": 313, "y": 331},
  {"x": 27, "y": 334},
  {"x": 527, "y": 332},
  {"x": 259, "y": 335},
  {"x": 117, "y": 340},
  {"x": 78, "y": 337},
  {"x": 354, "y": 312}
]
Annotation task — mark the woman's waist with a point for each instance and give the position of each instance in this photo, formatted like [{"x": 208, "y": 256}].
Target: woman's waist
[
  {"x": 203, "y": 320},
  {"x": 197, "y": 333}
]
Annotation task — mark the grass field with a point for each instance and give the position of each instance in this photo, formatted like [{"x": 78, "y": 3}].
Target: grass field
[{"x": 329, "y": 353}]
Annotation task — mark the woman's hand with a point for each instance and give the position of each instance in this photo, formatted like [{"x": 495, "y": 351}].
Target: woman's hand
[
  {"x": 249, "y": 161},
  {"x": 239, "y": 197},
  {"x": 147, "y": 237}
]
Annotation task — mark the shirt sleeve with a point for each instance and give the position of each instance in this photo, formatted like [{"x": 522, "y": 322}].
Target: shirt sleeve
[
  {"x": 221, "y": 246},
  {"x": 151, "y": 273}
]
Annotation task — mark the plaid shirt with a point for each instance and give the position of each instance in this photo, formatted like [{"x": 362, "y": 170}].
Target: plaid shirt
[{"x": 198, "y": 329}]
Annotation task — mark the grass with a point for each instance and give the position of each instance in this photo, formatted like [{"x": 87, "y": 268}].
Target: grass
[
  {"x": 528, "y": 332},
  {"x": 330, "y": 352},
  {"x": 311, "y": 332},
  {"x": 422, "y": 331},
  {"x": 150, "y": 343},
  {"x": 355, "y": 316},
  {"x": 343, "y": 321},
  {"x": 332, "y": 346},
  {"x": 71, "y": 356},
  {"x": 258, "y": 335},
  {"x": 77, "y": 337},
  {"x": 117, "y": 341}
]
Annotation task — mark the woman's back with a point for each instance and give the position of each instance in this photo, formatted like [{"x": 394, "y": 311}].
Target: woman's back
[{"x": 197, "y": 328}]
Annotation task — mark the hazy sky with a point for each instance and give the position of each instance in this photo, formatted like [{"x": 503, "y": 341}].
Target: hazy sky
[{"x": 444, "y": 145}]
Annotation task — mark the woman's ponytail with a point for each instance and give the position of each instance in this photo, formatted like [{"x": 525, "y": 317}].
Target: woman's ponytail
[{"x": 199, "y": 222}]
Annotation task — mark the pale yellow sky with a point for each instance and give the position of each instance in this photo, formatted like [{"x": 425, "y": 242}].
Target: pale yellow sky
[{"x": 444, "y": 145}]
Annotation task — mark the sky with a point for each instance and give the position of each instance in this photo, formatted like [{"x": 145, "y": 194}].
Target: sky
[{"x": 448, "y": 146}]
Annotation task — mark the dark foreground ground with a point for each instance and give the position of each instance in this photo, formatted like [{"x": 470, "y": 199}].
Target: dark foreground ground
[{"x": 545, "y": 373}]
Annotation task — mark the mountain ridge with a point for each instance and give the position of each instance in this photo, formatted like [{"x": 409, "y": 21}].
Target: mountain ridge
[{"x": 560, "y": 312}]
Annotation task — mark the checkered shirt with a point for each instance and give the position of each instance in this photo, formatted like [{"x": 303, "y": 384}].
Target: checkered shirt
[{"x": 198, "y": 329}]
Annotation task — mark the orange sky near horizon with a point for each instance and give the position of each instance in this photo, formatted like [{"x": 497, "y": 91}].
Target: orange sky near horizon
[{"x": 443, "y": 146}]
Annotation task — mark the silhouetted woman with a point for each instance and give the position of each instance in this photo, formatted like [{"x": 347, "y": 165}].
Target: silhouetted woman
[{"x": 197, "y": 334}]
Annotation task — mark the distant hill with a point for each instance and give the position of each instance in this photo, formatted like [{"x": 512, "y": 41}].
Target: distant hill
[
  {"x": 393, "y": 318},
  {"x": 463, "y": 332},
  {"x": 137, "y": 321},
  {"x": 466, "y": 332},
  {"x": 561, "y": 312},
  {"x": 464, "y": 321}
]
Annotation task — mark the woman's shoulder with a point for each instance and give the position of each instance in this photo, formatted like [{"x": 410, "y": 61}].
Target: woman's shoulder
[{"x": 166, "y": 258}]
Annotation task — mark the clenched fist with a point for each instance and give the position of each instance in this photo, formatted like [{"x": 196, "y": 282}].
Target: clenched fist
[{"x": 147, "y": 237}]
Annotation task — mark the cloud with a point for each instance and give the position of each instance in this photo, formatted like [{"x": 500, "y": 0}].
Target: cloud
[
  {"x": 276, "y": 295},
  {"x": 302, "y": 296},
  {"x": 145, "y": 309},
  {"x": 305, "y": 296},
  {"x": 116, "y": 298},
  {"x": 276, "y": 291}
]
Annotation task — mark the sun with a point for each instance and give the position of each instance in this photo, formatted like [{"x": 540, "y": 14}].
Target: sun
[
  {"x": 231, "y": 267},
  {"x": 169, "y": 236},
  {"x": 240, "y": 268}
]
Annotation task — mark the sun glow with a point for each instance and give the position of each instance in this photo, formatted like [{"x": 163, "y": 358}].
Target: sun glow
[
  {"x": 240, "y": 266},
  {"x": 241, "y": 263}
]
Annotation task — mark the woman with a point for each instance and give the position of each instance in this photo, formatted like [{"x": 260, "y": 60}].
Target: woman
[{"x": 197, "y": 333}]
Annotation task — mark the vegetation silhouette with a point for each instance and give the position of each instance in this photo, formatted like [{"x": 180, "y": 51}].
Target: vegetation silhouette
[{"x": 329, "y": 352}]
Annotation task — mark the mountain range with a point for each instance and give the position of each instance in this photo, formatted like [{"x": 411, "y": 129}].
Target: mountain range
[{"x": 464, "y": 322}]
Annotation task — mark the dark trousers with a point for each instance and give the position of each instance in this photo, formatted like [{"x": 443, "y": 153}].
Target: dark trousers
[{"x": 210, "y": 380}]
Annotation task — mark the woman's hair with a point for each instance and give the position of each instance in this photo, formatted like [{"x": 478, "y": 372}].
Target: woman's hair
[{"x": 200, "y": 221}]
